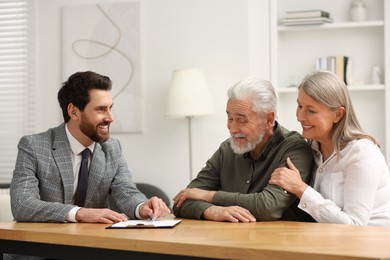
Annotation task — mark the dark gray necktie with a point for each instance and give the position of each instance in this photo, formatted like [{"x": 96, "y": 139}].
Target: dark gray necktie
[{"x": 82, "y": 186}]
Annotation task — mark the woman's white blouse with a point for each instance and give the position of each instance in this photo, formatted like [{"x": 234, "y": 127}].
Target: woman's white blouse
[{"x": 352, "y": 188}]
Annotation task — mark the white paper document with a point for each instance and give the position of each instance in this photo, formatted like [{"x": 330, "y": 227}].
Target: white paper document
[{"x": 146, "y": 224}]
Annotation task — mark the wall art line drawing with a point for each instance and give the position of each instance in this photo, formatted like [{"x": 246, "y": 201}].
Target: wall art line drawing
[{"x": 105, "y": 38}]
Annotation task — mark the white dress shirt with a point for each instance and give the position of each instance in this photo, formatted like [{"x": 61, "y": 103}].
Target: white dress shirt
[{"x": 352, "y": 188}]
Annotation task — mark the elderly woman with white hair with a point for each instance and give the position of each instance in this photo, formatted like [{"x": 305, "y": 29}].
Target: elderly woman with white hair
[{"x": 351, "y": 183}]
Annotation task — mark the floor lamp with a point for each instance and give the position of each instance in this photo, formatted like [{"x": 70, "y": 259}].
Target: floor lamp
[{"x": 188, "y": 96}]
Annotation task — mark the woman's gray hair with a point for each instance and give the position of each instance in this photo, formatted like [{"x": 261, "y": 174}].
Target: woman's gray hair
[
  {"x": 327, "y": 88},
  {"x": 260, "y": 92}
]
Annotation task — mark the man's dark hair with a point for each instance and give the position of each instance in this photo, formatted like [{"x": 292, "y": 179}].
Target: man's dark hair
[{"x": 76, "y": 90}]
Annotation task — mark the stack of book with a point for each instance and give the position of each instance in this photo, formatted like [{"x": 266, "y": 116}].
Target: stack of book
[
  {"x": 306, "y": 17},
  {"x": 335, "y": 64}
]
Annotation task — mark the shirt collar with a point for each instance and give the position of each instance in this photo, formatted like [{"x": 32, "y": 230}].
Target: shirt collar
[{"x": 75, "y": 145}]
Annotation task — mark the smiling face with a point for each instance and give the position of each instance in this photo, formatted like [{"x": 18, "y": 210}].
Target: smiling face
[
  {"x": 97, "y": 116},
  {"x": 245, "y": 126},
  {"x": 317, "y": 119}
]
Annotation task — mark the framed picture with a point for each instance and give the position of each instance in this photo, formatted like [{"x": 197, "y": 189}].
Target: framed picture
[{"x": 105, "y": 38}]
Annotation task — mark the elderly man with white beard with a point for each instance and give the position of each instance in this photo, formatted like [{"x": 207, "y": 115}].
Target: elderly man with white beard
[{"x": 233, "y": 185}]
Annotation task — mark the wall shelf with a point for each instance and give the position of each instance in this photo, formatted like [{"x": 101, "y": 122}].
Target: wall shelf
[
  {"x": 352, "y": 88},
  {"x": 295, "y": 48},
  {"x": 331, "y": 26}
]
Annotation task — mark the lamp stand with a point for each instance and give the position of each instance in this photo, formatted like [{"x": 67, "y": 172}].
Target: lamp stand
[{"x": 189, "y": 144}]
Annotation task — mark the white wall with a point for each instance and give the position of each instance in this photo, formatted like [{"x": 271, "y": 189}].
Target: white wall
[{"x": 228, "y": 39}]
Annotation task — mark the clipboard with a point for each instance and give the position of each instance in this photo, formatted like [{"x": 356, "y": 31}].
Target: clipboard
[{"x": 145, "y": 224}]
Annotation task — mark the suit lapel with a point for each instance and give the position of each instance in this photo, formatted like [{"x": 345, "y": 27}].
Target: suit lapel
[{"x": 62, "y": 156}]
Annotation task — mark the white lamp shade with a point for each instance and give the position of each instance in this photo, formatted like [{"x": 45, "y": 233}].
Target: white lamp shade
[{"x": 188, "y": 94}]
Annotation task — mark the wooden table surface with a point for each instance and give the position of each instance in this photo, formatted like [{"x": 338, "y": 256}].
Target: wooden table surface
[{"x": 200, "y": 238}]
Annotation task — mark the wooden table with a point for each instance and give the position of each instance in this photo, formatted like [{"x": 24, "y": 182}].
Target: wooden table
[{"x": 198, "y": 238}]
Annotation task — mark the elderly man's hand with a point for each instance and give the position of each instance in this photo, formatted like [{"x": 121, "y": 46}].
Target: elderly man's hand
[
  {"x": 193, "y": 193},
  {"x": 231, "y": 214}
]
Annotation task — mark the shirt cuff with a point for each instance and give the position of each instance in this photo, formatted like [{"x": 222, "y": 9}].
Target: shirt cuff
[
  {"x": 137, "y": 215},
  {"x": 307, "y": 198},
  {"x": 71, "y": 217}
]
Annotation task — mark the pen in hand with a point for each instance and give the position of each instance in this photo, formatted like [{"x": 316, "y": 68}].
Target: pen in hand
[{"x": 154, "y": 217}]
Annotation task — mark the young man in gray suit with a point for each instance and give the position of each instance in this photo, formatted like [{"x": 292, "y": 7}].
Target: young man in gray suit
[{"x": 45, "y": 179}]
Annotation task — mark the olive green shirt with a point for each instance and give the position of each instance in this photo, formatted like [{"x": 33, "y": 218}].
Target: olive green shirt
[{"x": 242, "y": 181}]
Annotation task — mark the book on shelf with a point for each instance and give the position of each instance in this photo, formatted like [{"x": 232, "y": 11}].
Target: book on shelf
[
  {"x": 307, "y": 14},
  {"x": 306, "y": 21},
  {"x": 335, "y": 64},
  {"x": 341, "y": 67}
]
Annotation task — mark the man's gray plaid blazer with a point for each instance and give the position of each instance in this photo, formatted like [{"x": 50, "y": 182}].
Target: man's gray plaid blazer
[{"x": 43, "y": 182}]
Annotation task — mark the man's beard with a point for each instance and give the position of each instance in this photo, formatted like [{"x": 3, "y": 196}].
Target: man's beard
[
  {"x": 248, "y": 147},
  {"x": 89, "y": 130}
]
